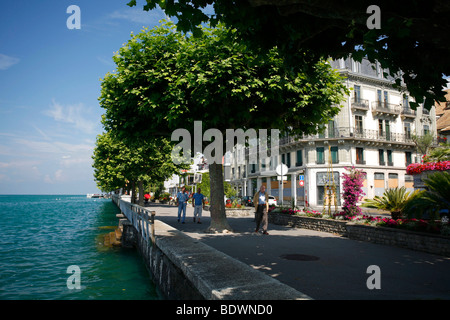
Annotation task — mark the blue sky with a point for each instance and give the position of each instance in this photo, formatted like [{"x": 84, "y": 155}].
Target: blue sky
[{"x": 49, "y": 89}]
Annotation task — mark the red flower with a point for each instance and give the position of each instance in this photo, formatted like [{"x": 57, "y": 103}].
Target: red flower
[{"x": 417, "y": 168}]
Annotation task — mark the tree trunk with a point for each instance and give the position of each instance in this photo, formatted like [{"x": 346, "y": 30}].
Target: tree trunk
[
  {"x": 141, "y": 193},
  {"x": 133, "y": 192},
  {"x": 219, "y": 221}
]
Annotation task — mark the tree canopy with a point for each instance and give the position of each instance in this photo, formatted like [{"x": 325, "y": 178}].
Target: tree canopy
[
  {"x": 411, "y": 43},
  {"x": 116, "y": 164},
  {"x": 166, "y": 80}
]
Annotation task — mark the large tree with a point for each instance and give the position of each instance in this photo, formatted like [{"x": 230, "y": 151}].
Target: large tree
[
  {"x": 117, "y": 165},
  {"x": 166, "y": 80},
  {"x": 411, "y": 42}
]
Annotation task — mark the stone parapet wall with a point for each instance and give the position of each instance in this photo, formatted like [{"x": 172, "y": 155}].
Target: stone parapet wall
[
  {"x": 324, "y": 225},
  {"x": 419, "y": 241}
]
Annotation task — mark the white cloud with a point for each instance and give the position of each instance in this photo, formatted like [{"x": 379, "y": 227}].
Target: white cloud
[
  {"x": 19, "y": 164},
  {"x": 138, "y": 15},
  {"x": 6, "y": 61},
  {"x": 73, "y": 114}
]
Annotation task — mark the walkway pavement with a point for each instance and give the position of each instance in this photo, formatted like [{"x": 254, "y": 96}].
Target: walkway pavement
[{"x": 322, "y": 265}]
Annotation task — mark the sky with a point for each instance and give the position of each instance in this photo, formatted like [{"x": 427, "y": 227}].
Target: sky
[{"x": 50, "y": 79}]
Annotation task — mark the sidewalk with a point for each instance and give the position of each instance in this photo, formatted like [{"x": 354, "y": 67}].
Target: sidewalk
[{"x": 322, "y": 265}]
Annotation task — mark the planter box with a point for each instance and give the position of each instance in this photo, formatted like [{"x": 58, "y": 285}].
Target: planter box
[
  {"x": 239, "y": 212},
  {"x": 418, "y": 178},
  {"x": 426, "y": 242},
  {"x": 318, "y": 224},
  {"x": 420, "y": 241}
]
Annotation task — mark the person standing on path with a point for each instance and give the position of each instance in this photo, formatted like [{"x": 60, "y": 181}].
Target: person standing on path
[
  {"x": 199, "y": 203},
  {"x": 261, "y": 202},
  {"x": 182, "y": 198}
]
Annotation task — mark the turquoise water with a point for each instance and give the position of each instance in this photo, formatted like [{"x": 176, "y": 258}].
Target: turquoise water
[{"x": 41, "y": 236}]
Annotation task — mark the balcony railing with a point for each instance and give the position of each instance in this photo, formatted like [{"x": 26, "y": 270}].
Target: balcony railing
[
  {"x": 361, "y": 104},
  {"x": 346, "y": 133},
  {"x": 385, "y": 108},
  {"x": 407, "y": 112}
]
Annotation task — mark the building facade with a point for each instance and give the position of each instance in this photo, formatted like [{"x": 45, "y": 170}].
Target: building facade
[{"x": 373, "y": 132}]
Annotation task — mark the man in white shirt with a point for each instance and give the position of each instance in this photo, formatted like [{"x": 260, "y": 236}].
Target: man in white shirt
[{"x": 261, "y": 202}]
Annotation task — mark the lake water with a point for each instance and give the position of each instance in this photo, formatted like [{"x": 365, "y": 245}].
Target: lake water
[{"x": 42, "y": 235}]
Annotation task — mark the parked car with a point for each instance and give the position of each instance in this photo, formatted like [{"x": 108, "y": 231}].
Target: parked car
[
  {"x": 272, "y": 201},
  {"x": 247, "y": 201}
]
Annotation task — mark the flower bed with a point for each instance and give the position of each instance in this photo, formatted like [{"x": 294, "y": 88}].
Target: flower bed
[
  {"x": 417, "y": 168},
  {"x": 406, "y": 233}
]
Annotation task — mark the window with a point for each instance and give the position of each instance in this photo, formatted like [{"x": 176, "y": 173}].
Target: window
[
  {"x": 380, "y": 128},
  {"x": 334, "y": 155},
  {"x": 359, "y": 124},
  {"x": 360, "y": 156},
  {"x": 405, "y": 102},
  {"x": 386, "y": 99},
  {"x": 379, "y": 176},
  {"x": 299, "y": 160},
  {"x": 322, "y": 131},
  {"x": 357, "y": 93},
  {"x": 381, "y": 157},
  {"x": 286, "y": 159},
  {"x": 331, "y": 129},
  {"x": 387, "y": 128},
  {"x": 408, "y": 158},
  {"x": 407, "y": 128},
  {"x": 426, "y": 129},
  {"x": 389, "y": 158},
  {"x": 320, "y": 155},
  {"x": 380, "y": 99}
]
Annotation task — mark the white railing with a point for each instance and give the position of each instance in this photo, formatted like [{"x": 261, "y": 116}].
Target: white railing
[{"x": 142, "y": 219}]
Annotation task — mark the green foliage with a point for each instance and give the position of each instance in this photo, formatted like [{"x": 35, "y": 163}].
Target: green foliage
[
  {"x": 393, "y": 200},
  {"x": 165, "y": 81},
  {"x": 412, "y": 37},
  {"x": 115, "y": 164},
  {"x": 441, "y": 153},
  {"x": 206, "y": 189},
  {"x": 423, "y": 143},
  {"x": 431, "y": 201}
]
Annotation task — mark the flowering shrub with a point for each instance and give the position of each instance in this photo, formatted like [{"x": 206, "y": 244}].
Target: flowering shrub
[
  {"x": 352, "y": 184},
  {"x": 417, "y": 168},
  {"x": 408, "y": 224},
  {"x": 308, "y": 213},
  {"x": 233, "y": 204}
]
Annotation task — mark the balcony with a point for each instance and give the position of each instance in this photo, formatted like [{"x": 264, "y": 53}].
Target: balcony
[
  {"x": 360, "y": 104},
  {"x": 346, "y": 133},
  {"x": 407, "y": 113},
  {"x": 385, "y": 108}
]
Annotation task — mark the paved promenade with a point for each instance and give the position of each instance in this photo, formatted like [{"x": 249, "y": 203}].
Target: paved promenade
[{"x": 322, "y": 265}]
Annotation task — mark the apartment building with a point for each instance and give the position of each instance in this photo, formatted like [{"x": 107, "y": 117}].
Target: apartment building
[{"x": 372, "y": 132}]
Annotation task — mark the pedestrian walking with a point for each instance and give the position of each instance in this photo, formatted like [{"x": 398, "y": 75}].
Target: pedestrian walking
[
  {"x": 182, "y": 198},
  {"x": 261, "y": 202},
  {"x": 198, "y": 200}
]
